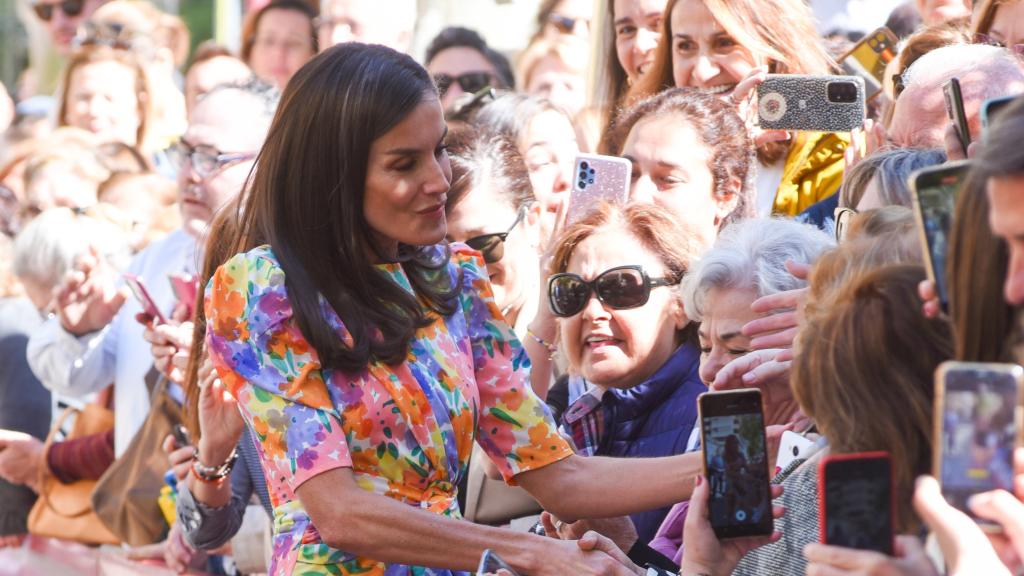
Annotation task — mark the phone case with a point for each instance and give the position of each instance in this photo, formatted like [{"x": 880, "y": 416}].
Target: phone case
[
  {"x": 955, "y": 111},
  {"x": 795, "y": 102},
  {"x": 597, "y": 178},
  {"x": 791, "y": 447},
  {"x": 919, "y": 180},
  {"x": 941, "y": 375},
  {"x": 142, "y": 295},
  {"x": 823, "y": 487},
  {"x": 869, "y": 58}
]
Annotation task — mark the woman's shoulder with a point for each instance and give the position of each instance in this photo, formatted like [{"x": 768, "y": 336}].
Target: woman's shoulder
[{"x": 250, "y": 284}]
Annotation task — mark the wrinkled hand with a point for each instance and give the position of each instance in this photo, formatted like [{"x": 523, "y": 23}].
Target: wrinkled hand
[
  {"x": 705, "y": 553},
  {"x": 864, "y": 142},
  {"x": 171, "y": 345},
  {"x": 619, "y": 530},
  {"x": 744, "y": 97},
  {"x": 761, "y": 369},
  {"x": 21, "y": 458},
  {"x": 87, "y": 299},
  {"x": 780, "y": 327},
  {"x": 594, "y": 542},
  {"x": 177, "y": 553},
  {"x": 592, "y": 555},
  {"x": 910, "y": 560},
  {"x": 955, "y": 150},
  {"x": 220, "y": 422},
  {"x": 965, "y": 547}
]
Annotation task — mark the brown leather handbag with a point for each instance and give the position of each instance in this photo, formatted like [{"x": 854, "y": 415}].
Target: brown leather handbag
[
  {"x": 65, "y": 510},
  {"x": 125, "y": 497}
]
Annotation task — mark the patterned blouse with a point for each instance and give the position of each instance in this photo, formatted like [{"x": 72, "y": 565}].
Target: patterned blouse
[{"x": 406, "y": 431}]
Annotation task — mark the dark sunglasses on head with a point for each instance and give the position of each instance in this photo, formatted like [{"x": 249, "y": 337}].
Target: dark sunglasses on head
[
  {"x": 70, "y": 8},
  {"x": 565, "y": 24},
  {"x": 492, "y": 246},
  {"x": 621, "y": 288},
  {"x": 470, "y": 82}
]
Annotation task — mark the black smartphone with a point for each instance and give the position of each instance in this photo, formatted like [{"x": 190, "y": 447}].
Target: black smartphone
[
  {"x": 736, "y": 463},
  {"x": 180, "y": 434},
  {"x": 935, "y": 190},
  {"x": 955, "y": 111},
  {"x": 857, "y": 501},
  {"x": 977, "y": 411},
  {"x": 490, "y": 563}
]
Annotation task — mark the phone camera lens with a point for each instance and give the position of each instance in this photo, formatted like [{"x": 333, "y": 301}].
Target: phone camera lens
[
  {"x": 583, "y": 175},
  {"x": 592, "y": 171},
  {"x": 582, "y": 184},
  {"x": 842, "y": 92},
  {"x": 584, "y": 165},
  {"x": 796, "y": 451}
]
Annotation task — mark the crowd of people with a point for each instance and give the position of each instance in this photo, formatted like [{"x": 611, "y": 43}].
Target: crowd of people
[{"x": 322, "y": 307}]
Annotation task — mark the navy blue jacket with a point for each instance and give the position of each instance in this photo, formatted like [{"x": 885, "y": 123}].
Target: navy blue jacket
[{"x": 654, "y": 419}]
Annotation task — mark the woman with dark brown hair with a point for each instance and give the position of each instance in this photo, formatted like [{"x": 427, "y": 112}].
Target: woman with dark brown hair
[
  {"x": 278, "y": 39},
  {"x": 715, "y": 46},
  {"x": 368, "y": 355}
]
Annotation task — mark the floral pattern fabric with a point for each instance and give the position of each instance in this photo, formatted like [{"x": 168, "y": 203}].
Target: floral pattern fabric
[{"x": 406, "y": 431}]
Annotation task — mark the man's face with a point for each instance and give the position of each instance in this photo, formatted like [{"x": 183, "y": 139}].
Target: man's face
[
  {"x": 1006, "y": 218},
  {"x": 62, "y": 19},
  {"x": 224, "y": 123},
  {"x": 368, "y": 21}
]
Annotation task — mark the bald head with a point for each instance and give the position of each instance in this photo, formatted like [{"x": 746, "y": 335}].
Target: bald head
[
  {"x": 390, "y": 23},
  {"x": 919, "y": 118}
]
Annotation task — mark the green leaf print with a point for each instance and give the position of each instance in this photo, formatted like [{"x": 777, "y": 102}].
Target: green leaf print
[
  {"x": 324, "y": 420},
  {"x": 419, "y": 469},
  {"x": 261, "y": 394},
  {"x": 393, "y": 450},
  {"x": 387, "y": 432},
  {"x": 380, "y": 451},
  {"x": 502, "y": 415}
]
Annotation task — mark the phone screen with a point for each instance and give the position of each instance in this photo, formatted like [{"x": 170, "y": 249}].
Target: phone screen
[
  {"x": 858, "y": 503},
  {"x": 936, "y": 200},
  {"x": 736, "y": 464},
  {"x": 978, "y": 433},
  {"x": 490, "y": 563}
]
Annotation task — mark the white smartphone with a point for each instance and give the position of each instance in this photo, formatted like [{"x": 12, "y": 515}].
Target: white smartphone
[
  {"x": 598, "y": 178},
  {"x": 791, "y": 447}
]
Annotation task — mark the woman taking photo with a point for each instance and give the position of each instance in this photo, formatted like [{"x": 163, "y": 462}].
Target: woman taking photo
[
  {"x": 368, "y": 356},
  {"x": 714, "y": 46}
]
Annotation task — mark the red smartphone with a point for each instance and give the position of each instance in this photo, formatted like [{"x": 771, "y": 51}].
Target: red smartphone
[
  {"x": 186, "y": 289},
  {"x": 149, "y": 307},
  {"x": 856, "y": 499}
]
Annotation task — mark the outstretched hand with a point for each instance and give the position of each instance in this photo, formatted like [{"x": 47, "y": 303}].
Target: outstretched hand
[{"x": 87, "y": 298}]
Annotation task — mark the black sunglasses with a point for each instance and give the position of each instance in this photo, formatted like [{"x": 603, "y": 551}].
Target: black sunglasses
[
  {"x": 470, "y": 82},
  {"x": 621, "y": 288},
  {"x": 492, "y": 246},
  {"x": 70, "y": 8}
]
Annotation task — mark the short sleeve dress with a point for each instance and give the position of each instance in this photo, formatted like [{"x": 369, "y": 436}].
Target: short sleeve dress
[{"x": 406, "y": 431}]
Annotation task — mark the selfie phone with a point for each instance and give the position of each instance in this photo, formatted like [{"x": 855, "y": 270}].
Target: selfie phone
[
  {"x": 736, "y": 463},
  {"x": 955, "y": 111},
  {"x": 490, "y": 563},
  {"x": 977, "y": 427},
  {"x": 792, "y": 447},
  {"x": 185, "y": 288},
  {"x": 857, "y": 501},
  {"x": 869, "y": 58},
  {"x": 934, "y": 191},
  {"x": 811, "y": 103},
  {"x": 149, "y": 307},
  {"x": 991, "y": 108},
  {"x": 598, "y": 178}
]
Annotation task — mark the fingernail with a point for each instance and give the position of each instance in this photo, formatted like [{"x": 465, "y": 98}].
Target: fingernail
[
  {"x": 697, "y": 480},
  {"x": 977, "y": 500},
  {"x": 749, "y": 377}
]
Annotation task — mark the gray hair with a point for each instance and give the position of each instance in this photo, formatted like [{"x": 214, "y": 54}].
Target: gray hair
[
  {"x": 998, "y": 67},
  {"x": 267, "y": 95},
  {"x": 46, "y": 249},
  {"x": 890, "y": 168},
  {"x": 752, "y": 254}
]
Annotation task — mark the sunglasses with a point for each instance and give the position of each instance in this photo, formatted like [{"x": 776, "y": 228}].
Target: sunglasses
[
  {"x": 980, "y": 38},
  {"x": 492, "y": 246},
  {"x": 470, "y": 82},
  {"x": 843, "y": 215},
  {"x": 70, "y": 8},
  {"x": 567, "y": 25},
  {"x": 621, "y": 288}
]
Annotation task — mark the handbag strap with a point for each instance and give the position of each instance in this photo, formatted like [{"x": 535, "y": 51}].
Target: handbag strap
[{"x": 44, "y": 467}]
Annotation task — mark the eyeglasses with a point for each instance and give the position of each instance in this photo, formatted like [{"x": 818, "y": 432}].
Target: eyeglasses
[
  {"x": 205, "y": 161},
  {"x": 492, "y": 246},
  {"x": 843, "y": 215},
  {"x": 110, "y": 34},
  {"x": 567, "y": 25},
  {"x": 980, "y": 38},
  {"x": 70, "y": 8},
  {"x": 470, "y": 82},
  {"x": 621, "y": 288}
]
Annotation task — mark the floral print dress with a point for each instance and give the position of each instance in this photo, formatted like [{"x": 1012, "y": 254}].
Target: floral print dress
[{"x": 406, "y": 431}]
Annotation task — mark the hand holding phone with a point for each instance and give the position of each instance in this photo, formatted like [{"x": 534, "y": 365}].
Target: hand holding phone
[
  {"x": 491, "y": 563},
  {"x": 856, "y": 498},
  {"x": 736, "y": 463},
  {"x": 935, "y": 190},
  {"x": 598, "y": 178},
  {"x": 149, "y": 306}
]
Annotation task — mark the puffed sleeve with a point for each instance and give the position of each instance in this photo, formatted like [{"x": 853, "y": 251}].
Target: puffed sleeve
[
  {"x": 515, "y": 427},
  {"x": 263, "y": 359}
]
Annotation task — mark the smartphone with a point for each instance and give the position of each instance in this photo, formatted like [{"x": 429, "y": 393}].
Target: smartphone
[
  {"x": 935, "y": 190},
  {"x": 856, "y": 500},
  {"x": 736, "y": 463},
  {"x": 149, "y": 307},
  {"x": 490, "y": 563},
  {"x": 955, "y": 111},
  {"x": 185, "y": 288},
  {"x": 792, "y": 447},
  {"x": 977, "y": 427},
  {"x": 990, "y": 109},
  {"x": 869, "y": 58},
  {"x": 180, "y": 434},
  {"x": 811, "y": 103},
  {"x": 598, "y": 178}
]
